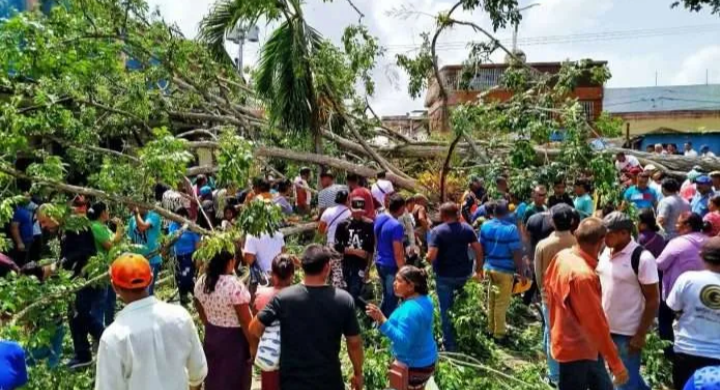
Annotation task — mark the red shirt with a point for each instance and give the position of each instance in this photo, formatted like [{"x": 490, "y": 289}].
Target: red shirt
[
  {"x": 364, "y": 193},
  {"x": 578, "y": 327}
]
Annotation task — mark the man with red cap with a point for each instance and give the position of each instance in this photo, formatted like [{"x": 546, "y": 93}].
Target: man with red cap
[{"x": 151, "y": 344}]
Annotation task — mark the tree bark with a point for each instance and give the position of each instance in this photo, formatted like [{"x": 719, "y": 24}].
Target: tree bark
[{"x": 446, "y": 167}]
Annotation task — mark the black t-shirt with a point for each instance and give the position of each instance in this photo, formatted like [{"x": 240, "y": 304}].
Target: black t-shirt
[
  {"x": 539, "y": 227},
  {"x": 312, "y": 323},
  {"x": 565, "y": 198},
  {"x": 356, "y": 234}
]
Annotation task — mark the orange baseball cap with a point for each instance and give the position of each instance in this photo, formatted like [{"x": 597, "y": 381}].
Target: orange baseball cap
[{"x": 131, "y": 271}]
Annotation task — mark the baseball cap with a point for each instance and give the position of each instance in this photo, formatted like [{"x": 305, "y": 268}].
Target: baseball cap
[
  {"x": 703, "y": 180},
  {"x": 617, "y": 221},
  {"x": 711, "y": 250},
  {"x": 692, "y": 175},
  {"x": 635, "y": 170},
  {"x": 131, "y": 271},
  {"x": 650, "y": 168},
  {"x": 357, "y": 204},
  {"x": 206, "y": 190},
  {"x": 714, "y": 174}
]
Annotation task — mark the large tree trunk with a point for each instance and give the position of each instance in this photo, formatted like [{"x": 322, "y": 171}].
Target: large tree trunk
[{"x": 446, "y": 167}]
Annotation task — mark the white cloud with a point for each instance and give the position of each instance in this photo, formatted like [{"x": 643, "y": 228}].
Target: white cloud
[
  {"x": 694, "y": 67},
  {"x": 633, "y": 63}
]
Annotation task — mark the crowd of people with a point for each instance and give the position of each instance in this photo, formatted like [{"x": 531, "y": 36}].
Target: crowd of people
[{"x": 604, "y": 275}]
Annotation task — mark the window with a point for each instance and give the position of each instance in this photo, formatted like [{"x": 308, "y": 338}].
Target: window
[
  {"x": 588, "y": 109},
  {"x": 486, "y": 78}
]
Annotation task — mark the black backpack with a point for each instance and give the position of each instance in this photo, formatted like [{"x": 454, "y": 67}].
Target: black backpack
[{"x": 635, "y": 259}]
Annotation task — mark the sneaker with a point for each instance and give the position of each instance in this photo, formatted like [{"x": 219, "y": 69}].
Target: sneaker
[
  {"x": 76, "y": 363},
  {"x": 504, "y": 342}
]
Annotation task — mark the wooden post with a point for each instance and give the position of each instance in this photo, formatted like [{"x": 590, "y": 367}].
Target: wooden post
[{"x": 627, "y": 132}]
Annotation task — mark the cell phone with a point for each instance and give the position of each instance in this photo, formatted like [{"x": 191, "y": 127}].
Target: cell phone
[{"x": 365, "y": 301}]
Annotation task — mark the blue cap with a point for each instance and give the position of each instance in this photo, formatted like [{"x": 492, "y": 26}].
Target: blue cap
[
  {"x": 206, "y": 190},
  {"x": 703, "y": 180}
]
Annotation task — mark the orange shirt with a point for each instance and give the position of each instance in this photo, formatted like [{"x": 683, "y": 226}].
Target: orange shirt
[{"x": 578, "y": 327}]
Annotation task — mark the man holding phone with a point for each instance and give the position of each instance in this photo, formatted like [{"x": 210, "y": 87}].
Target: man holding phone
[{"x": 355, "y": 240}]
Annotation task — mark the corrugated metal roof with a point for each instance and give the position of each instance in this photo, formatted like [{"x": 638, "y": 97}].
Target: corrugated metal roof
[{"x": 665, "y": 98}]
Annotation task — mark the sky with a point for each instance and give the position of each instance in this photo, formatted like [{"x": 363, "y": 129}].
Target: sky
[{"x": 652, "y": 45}]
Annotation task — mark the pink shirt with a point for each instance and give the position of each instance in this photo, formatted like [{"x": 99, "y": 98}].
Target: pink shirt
[
  {"x": 263, "y": 295},
  {"x": 219, "y": 306},
  {"x": 714, "y": 219}
]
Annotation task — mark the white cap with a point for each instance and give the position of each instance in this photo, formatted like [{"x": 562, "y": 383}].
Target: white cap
[{"x": 650, "y": 168}]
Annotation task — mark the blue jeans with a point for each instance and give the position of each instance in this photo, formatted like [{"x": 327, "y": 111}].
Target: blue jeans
[
  {"x": 353, "y": 276},
  {"x": 389, "y": 300},
  {"x": 84, "y": 323},
  {"x": 584, "y": 375},
  {"x": 553, "y": 367},
  {"x": 447, "y": 289},
  {"x": 110, "y": 304},
  {"x": 51, "y": 352},
  {"x": 185, "y": 275},
  {"x": 156, "y": 271},
  {"x": 632, "y": 364}
]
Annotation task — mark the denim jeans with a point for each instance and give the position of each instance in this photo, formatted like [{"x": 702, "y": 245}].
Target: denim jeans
[
  {"x": 632, "y": 364},
  {"x": 156, "y": 271},
  {"x": 52, "y": 352},
  {"x": 353, "y": 276},
  {"x": 84, "y": 323},
  {"x": 666, "y": 316},
  {"x": 553, "y": 366},
  {"x": 684, "y": 368},
  {"x": 110, "y": 305},
  {"x": 185, "y": 275},
  {"x": 447, "y": 289},
  {"x": 584, "y": 375},
  {"x": 389, "y": 300}
]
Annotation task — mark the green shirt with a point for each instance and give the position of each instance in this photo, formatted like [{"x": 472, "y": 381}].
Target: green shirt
[{"x": 102, "y": 234}]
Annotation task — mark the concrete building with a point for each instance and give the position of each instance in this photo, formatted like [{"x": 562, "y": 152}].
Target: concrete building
[
  {"x": 414, "y": 124},
  {"x": 487, "y": 76},
  {"x": 675, "y": 109}
]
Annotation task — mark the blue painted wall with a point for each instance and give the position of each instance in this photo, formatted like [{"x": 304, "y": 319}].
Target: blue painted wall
[{"x": 698, "y": 140}]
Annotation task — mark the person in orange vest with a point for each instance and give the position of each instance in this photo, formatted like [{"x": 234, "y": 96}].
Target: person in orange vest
[{"x": 471, "y": 198}]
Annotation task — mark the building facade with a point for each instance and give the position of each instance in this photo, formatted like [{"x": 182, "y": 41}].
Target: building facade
[
  {"x": 488, "y": 77},
  {"x": 667, "y": 109},
  {"x": 413, "y": 124}
]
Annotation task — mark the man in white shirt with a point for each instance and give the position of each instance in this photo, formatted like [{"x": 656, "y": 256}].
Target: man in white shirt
[
  {"x": 263, "y": 249},
  {"x": 624, "y": 162},
  {"x": 326, "y": 197},
  {"x": 706, "y": 152},
  {"x": 689, "y": 151},
  {"x": 382, "y": 188},
  {"x": 151, "y": 344},
  {"x": 630, "y": 294},
  {"x": 697, "y": 330}
]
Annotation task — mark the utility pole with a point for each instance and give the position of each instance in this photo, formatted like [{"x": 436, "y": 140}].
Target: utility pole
[
  {"x": 238, "y": 35},
  {"x": 515, "y": 31}
]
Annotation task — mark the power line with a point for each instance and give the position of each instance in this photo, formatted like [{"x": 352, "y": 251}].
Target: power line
[{"x": 575, "y": 38}]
